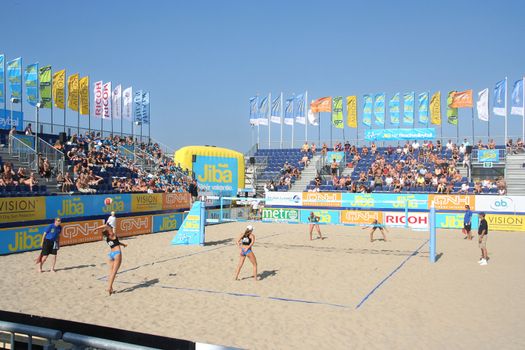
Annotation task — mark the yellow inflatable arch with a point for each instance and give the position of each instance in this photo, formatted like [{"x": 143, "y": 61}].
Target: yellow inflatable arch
[{"x": 218, "y": 170}]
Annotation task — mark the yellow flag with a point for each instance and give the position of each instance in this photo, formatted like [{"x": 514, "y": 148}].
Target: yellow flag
[
  {"x": 59, "y": 83},
  {"x": 435, "y": 108},
  {"x": 72, "y": 92},
  {"x": 351, "y": 110},
  {"x": 84, "y": 95}
]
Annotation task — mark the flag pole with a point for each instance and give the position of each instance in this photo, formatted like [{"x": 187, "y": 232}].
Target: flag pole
[
  {"x": 506, "y": 118},
  {"x": 523, "y": 114},
  {"x": 149, "y": 118},
  {"x": 52, "y": 100},
  {"x": 293, "y": 119},
  {"x": 121, "y": 114},
  {"x": 269, "y": 121},
  {"x": 319, "y": 129},
  {"x": 306, "y": 116},
  {"x": 89, "y": 107},
  {"x": 473, "y": 139},
  {"x": 282, "y": 121},
  {"x": 78, "y": 105}
]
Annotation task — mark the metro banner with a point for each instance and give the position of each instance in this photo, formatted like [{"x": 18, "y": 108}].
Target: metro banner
[{"x": 400, "y": 134}]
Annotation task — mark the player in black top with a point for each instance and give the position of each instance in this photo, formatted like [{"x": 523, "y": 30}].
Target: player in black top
[
  {"x": 245, "y": 243},
  {"x": 115, "y": 255}
]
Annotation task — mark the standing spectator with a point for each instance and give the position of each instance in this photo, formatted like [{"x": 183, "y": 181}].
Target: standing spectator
[
  {"x": 28, "y": 130},
  {"x": 333, "y": 167},
  {"x": 467, "y": 223},
  {"x": 50, "y": 244},
  {"x": 483, "y": 231},
  {"x": 194, "y": 191},
  {"x": 12, "y": 134}
]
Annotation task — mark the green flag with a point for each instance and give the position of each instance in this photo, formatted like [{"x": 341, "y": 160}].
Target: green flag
[
  {"x": 337, "y": 112},
  {"x": 45, "y": 86},
  {"x": 452, "y": 113}
]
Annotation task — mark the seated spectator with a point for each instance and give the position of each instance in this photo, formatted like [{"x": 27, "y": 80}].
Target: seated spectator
[
  {"x": 313, "y": 149},
  {"x": 481, "y": 145},
  {"x": 58, "y": 146},
  {"x": 441, "y": 188},
  {"x": 510, "y": 146},
  {"x": 477, "y": 188},
  {"x": 519, "y": 146},
  {"x": 28, "y": 130},
  {"x": 31, "y": 181},
  {"x": 439, "y": 146},
  {"x": 373, "y": 148},
  {"x": 305, "y": 148},
  {"x": 304, "y": 161},
  {"x": 449, "y": 145},
  {"x": 492, "y": 144},
  {"x": 464, "y": 188}
]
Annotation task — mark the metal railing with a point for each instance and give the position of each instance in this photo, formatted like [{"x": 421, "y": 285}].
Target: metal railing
[
  {"x": 49, "y": 335},
  {"x": 54, "y": 156},
  {"x": 25, "y": 154}
]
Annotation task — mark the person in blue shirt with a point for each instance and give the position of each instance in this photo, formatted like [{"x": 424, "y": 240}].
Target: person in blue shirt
[
  {"x": 467, "y": 223},
  {"x": 50, "y": 244}
]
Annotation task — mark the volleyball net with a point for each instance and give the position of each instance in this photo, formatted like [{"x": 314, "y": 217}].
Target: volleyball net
[{"x": 410, "y": 214}]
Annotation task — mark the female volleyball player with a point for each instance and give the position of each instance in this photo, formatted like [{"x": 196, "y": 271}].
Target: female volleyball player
[
  {"x": 245, "y": 243},
  {"x": 115, "y": 255},
  {"x": 314, "y": 223},
  {"x": 375, "y": 225}
]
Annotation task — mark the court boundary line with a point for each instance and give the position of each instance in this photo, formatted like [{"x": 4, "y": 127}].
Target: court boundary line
[
  {"x": 242, "y": 295},
  {"x": 414, "y": 253}
]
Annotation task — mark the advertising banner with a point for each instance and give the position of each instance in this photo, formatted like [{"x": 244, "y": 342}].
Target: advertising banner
[
  {"x": 31, "y": 77},
  {"x": 415, "y": 220},
  {"x": 512, "y": 204},
  {"x": 338, "y": 156},
  {"x": 385, "y": 200},
  {"x": 59, "y": 92},
  {"x": 435, "y": 109},
  {"x": 454, "y": 220},
  {"x": 192, "y": 229},
  {"x": 322, "y": 199},
  {"x": 19, "y": 209},
  {"x": 133, "y": 225},
  {"x": 72, "y": 92},
  {"x": 9, "y": 119},
  {"x": 400, "y": 134},
  {"x": 280, "y": 215},
  {"x": 167, "y": 222},
  {"x": 173, "y": 201},
  {"x": 367, "y": 110},
  {"x": 78, "y": 206},
  {"x": 379, "y": 109},
  {"x": 97, "y": 99},
  {"x": 284, "y": 198},
  {"x": 337, "y": 112},
  {"x": 451, "y": 202},
  {"x": 145, "y": 202},
  {"x": 14, "y": 76},
  {"x": 499, "y": 222},
  {"x": 351, "y": 110},
  {"x": 127, "y": 97},
  {"x": 408, "y": 108},
  {"x": 2, "y": 80},
  {"x": 217, "y": 174},
  {"x": 80, "y": 232},
  {"x": 21, "y": 239},
  {"x": 106, "y": 100},
  {"x": 360, "y": 217},
  {"x": 327, "y": 217},
  {"x": 488, "y": 155},
  {"x": 84, "y": 95},
  {"x": 45, "y": 86}
]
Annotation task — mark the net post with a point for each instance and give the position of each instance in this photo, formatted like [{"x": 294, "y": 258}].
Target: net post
[
  {"x": 221, "y": 200},
  {"x": 406, "y": 212},
  {"x": 432, "y": 223}
]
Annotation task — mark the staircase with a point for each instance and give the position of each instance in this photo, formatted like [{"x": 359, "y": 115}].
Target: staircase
[
  {"x": 307, "y": 175},
  {"x": 515, "y": 174}
]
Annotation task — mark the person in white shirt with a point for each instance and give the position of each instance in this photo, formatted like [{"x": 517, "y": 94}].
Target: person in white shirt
[
  {"x": 399, "y": 149},
  {"x": 415, "y": 145},
  {"x": 112, "y": 222},
  {"x": 449, "y": 145},
  {"x": 389, "y": 180},
  {"x": 464, "y": 188},
  {"x": 486, "y": 183},
  {"x": 462, "y": 148}
]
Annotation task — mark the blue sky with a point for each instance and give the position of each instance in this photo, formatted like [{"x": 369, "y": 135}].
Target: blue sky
[{"x": 202, "y": 60}]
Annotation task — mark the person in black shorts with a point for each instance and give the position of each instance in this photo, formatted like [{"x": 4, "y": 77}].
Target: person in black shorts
[
  {"x": 467, "y": 223},
  {"x": 375, "y": 225},
  {"x": 483, "y": 231},
  {"x": 314, "y": 223},
  {"x": 50, "y": 244}
]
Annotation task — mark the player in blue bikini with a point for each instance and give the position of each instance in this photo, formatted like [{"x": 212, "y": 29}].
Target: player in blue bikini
[
  {"x": 245, "y": 243},
  {"x": 375, "y": 225},
  {"x": 115, "y": 255}
]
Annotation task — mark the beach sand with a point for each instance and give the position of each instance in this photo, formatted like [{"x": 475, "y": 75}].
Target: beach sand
[{"x": 307, "y": 295}]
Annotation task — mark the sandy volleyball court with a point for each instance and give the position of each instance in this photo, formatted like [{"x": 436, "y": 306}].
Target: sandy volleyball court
[{"x": 307, "y": 295}]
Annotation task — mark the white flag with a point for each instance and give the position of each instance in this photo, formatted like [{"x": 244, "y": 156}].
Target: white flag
[
  {"x": 106, "y": 101},
  {"x": 483, "y": 105},
  {"x": 128, "y": 103},
  {"x": 312, "y": 118},
  {"x": 97, "y": 99},
  {"x": 116, "y": 103}
]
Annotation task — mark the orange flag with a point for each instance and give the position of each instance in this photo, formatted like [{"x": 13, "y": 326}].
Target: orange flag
[
  {"x": 462, "y": 99},
  {"x": 323, "y": 104}
]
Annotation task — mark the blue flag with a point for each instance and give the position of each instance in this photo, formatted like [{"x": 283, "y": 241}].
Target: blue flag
[
  {"x": 275, "y": 116},
  {"x": 263, "y": 111},
  {"x": 31, "y": 78},
  {"x": 516, "y": 101},
  {"x": 2, "y": 82},
  {"x": 14, "y": 76},
  {"x": 393, "y": 105},
  {"x": 367, "y": 110},
  {"x": 499, "y": 106},
  {"x": 379, "y": 109},
  {"x": 254, "y": 104},
  {"x": 145, "y": 108},
  {"x": 408, "y": 108},
  {"x": 423, "y": 108},
  {"x": 298, "y": 109},
  {"x": 288, "y": 111},
  {"x": 137, "y": 106}
]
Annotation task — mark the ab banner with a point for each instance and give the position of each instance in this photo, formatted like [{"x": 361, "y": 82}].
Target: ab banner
[
  {"x": 192, "y": 230},
  {"x": 400, "y": 134}
]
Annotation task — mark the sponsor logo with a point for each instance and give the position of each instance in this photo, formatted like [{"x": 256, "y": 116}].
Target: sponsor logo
[
  {"x": 176, "y": 201},
  {"x": 360, "y": 216},
  {"x": 287, "y": 215},
  {"x": 502, "y": 204},
  {"x": 22, "y": 209},
  {"x": 146, "y": 202},
  {"x": 506, "y": 222},
  {"x": 134, "y": 225},
  {"x": 220, "y": 173},
  {"x": 415, "y": 220},
  {"x": 80, "y": 232},
  {"x": 322, "y": 199},
  {"x": 169, "y": 223},
  {"x": 113, "y": 204},
  {"x": 26, "y": 239},
  {"x": 71, "y": 207},
  {"x": 451, "y": 202}
]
